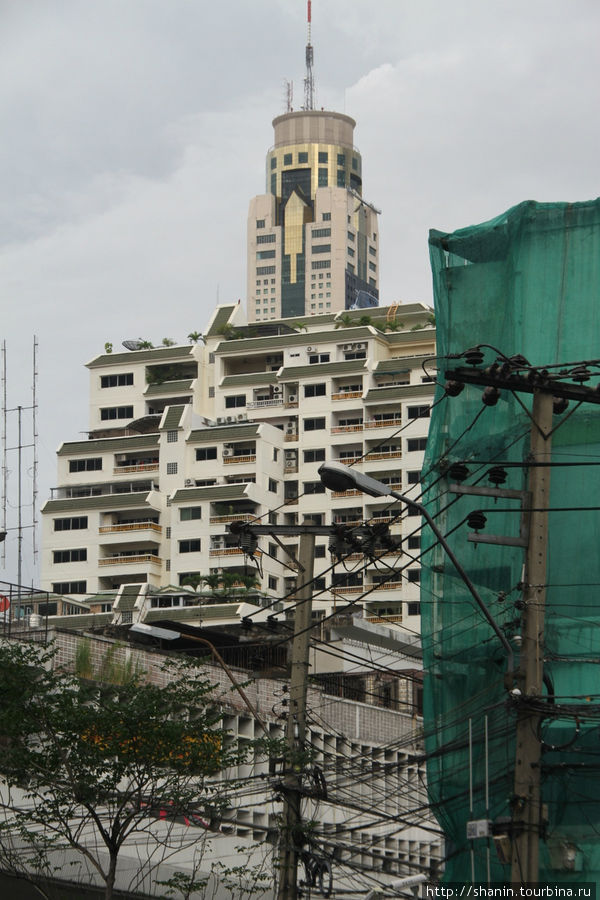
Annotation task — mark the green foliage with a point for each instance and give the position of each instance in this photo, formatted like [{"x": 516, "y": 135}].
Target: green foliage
[
  {"x": 194, "y": 337},
  {"x": 96, "y": 757},
  {"x": 344, "y": 321},
  {"x": 171, "y": 372},
  {"x": 168, "y": 342},
  {"x": 108, "y": 347},
  {"x": 229, "y": 332},
  {"x": 145, "y": 345}
]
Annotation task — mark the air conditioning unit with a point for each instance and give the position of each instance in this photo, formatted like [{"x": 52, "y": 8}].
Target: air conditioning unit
[
  {"x": 221, "y": 420},
  {"x": 347, "y": 346},
  {"x": 290, "y": 428},
  {"x": 361, "y": 346},
  {"x": 230, "y": 420},
  {"x": 120, "y": 457},
  {"x": 276, "y": 389},
  {"x": 218, "y": 543},
  {"x": 290, "y": 454},
  {"x": 292, "y": 398},
  {"x": 189, "y": 482},
  {"x": 241, "y": 417},
  {"x": 290, "y": 464},
  {"x": 227, "y": 451}
]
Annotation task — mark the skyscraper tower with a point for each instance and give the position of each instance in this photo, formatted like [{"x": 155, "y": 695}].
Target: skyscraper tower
[{"x": 312, "y": 238}]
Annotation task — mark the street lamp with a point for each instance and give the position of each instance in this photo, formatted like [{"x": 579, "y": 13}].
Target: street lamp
[{"x": 338, "y": 477}]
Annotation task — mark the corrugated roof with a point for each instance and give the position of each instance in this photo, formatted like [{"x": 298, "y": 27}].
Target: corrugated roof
[
  {"x": 127, "y": 597},
  {"x": 158, "y": 354},
  {"x": 202, "y": 611},
  {"x": 132, "y": 500},
  {"x": 101, "y": 445},
  {"x": 249, "y": 378},
  {"x": 341, "y": 336},
  {"x": 224, "y": 433},
  {"x": 318, "y": 370},
  {"x": 79, "y": 623},
  {"x": 169, "y": 387},
  {"x": 222, "y": 317},
  {"x": 422, "y": 336},
  {"x": 399, "y": 392},
  {"x": 400, "y": 365},
  {"x": 214, "y": 492},
  {"x": 172, "y": 419}
]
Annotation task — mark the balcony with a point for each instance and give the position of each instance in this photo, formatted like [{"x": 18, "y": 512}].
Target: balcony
[
  {"x": 132, "y": 526},
  {"x": 291, "y": 436},
  {"x": 265, "y": 404},
  {"x": 346, "y": 395},
  {"x": 231, "y": 551},
  {"x": 346, "y": 493},
  {"x": 130, "y": 560},
  {"x": 140, "y": 467},
  {"x": 382, "y": 423},
  {"x": 386, "y": 454},
  {"x": 232, "y": 517},
  {"x": 343, "y": 429},
  {"x": 232, "y": 460},
  {"x": 353, "y": 589},
  {"x": 386, "y": 586},
  {"x": 383, "y": 620}
]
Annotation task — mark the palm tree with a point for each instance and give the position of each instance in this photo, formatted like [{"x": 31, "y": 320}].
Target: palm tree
[
  {"x": 168, "y": 342},
  {"x": 145, "y": 345},
  {"x": 194, "y": 337},
  {"x": 344, "y": 321}
]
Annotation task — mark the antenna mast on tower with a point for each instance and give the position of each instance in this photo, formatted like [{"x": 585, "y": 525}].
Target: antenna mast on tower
[{"x": 309, "y": 84}]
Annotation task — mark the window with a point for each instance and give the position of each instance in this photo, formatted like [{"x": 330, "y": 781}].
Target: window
[
  {"x": 108, "y": 381},
  {"x": 319, "y": 551},
  {"x": 273, "y": 162},
  {"x": 265, "y": 254},
  {"x": 73, "y": 523},
  {"x": 311, "y": 456},
  {"x": 313, "y": 487},
  {"x": 323, "y": 180},
  {"x": 172, "y": 437},
  {"x": 341, "y": 159},
  {"x": 66, "y": 556},
  {"x": 204, "y": 453},
  {"x": 273, "y": 550},
  {"x": 265, "y": 270},
  {"x": 349, "y": 267},
  {"x": 414, "y": 444},
  {"x": 191, "y": 546},
  {"x": 372, "y": 266},
  {"x": 414, "y": 608},
  {"x": 372, "y": 251},
  {"x": 189, "y": 513},
  {"x": 287, "y": 159},
  {"x": 350, "y": 252},
  {"x": 314, "y": 390},
  {"x": 414, "y": 575},
  {"x": 317, "y": 424},
  {"x": 211, "y": 392},
  {"x": 413, "y": 477},
  {"x": 302, "y": 157},
  {"x": 272, "y": 485},
  {"x": 418, "y": 412},
  {"x": 323, "y": 156},
  {"x": 321, "y": 248},
  {"x": 320, "y": 233},
  {"x": 273, "y": 583},
  {"x": 172, "y": 468},
  {"x": 321, "y": 263},
  {"x": 192, "y": 579},
  {"x": 69, "y": 587},
  {"x": 116, "y": 412},
  {"x": 318, "y": 358},
  {"x": 85, "y": 465},
  {"x": 260, "y": 223},
  {"x": 414, "y": 542},
  {"x": 274, "y": 183},
  {"x": 341, "y": 178},
  {"x": 327, "y": 217},
  {"x": 355, "y": 163},
  {"x": 319, "y": 584},
  {"x": 235, "y": 400},
  {"x": 265, "y": 239},
  {"x": 275, "y": 454}
]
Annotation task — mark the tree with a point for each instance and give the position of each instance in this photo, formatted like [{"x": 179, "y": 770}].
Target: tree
[
  {"x": 344, "y": 321},
  {"x": 168, "y": 342},
  {"x": 89, "y": 765},
  {"x": 145, "y": 345},
  {"x": 194, "y": 337}
]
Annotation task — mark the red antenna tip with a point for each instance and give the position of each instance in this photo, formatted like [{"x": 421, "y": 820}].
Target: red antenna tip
[{"x": 309, "y": 17}]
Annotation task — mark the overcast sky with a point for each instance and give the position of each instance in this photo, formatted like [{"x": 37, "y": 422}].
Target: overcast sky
[{"x": 135, "y": 132}]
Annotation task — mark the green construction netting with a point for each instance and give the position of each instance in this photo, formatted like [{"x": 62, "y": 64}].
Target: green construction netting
[{"x": 527, "y": 282}]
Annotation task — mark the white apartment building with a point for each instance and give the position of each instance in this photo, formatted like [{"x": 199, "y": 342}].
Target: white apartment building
[{"x": 184, "y": 440}]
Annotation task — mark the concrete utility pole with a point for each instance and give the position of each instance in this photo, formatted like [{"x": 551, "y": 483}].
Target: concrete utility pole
[
  {"x": 527, "y": 811},
  {"x": 291, "y": 839}
]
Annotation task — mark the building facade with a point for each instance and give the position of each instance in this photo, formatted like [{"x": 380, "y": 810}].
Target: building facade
[
  {"x": 312, "y": 238},
  {"x": 184, "y": 440}
]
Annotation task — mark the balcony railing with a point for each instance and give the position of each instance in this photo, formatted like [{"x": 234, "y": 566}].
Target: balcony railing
[
  {"x": 230, "y": 551},
  {"x": 346, "y": 395},
  {"x": 231, "y": 517},
  {"x": 383, "y": 620},
  {"x": 292, "y": 436},
  {"x": 350, "y": 522},
  {"x": 346, "y": 493},
  {"x": 388, "y": 454},
  {"x": 342, "y": 429},
  {"x": 386, "y": 586},
  {"x": 264, "y": 404},
  {"x": 231, "y": 460},
  {"x": 129, "y": 560},
  {"x": 353, "y": 589},
  {"x": 132, "y": 526},
  {"x": 381, "y": 423},
  {"x": 142, "y": 467}
]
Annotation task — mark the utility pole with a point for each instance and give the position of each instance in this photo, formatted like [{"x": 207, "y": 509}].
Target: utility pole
[
  {"x": 527, "y": 811},
  {"x": 291, "y": 835}
]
